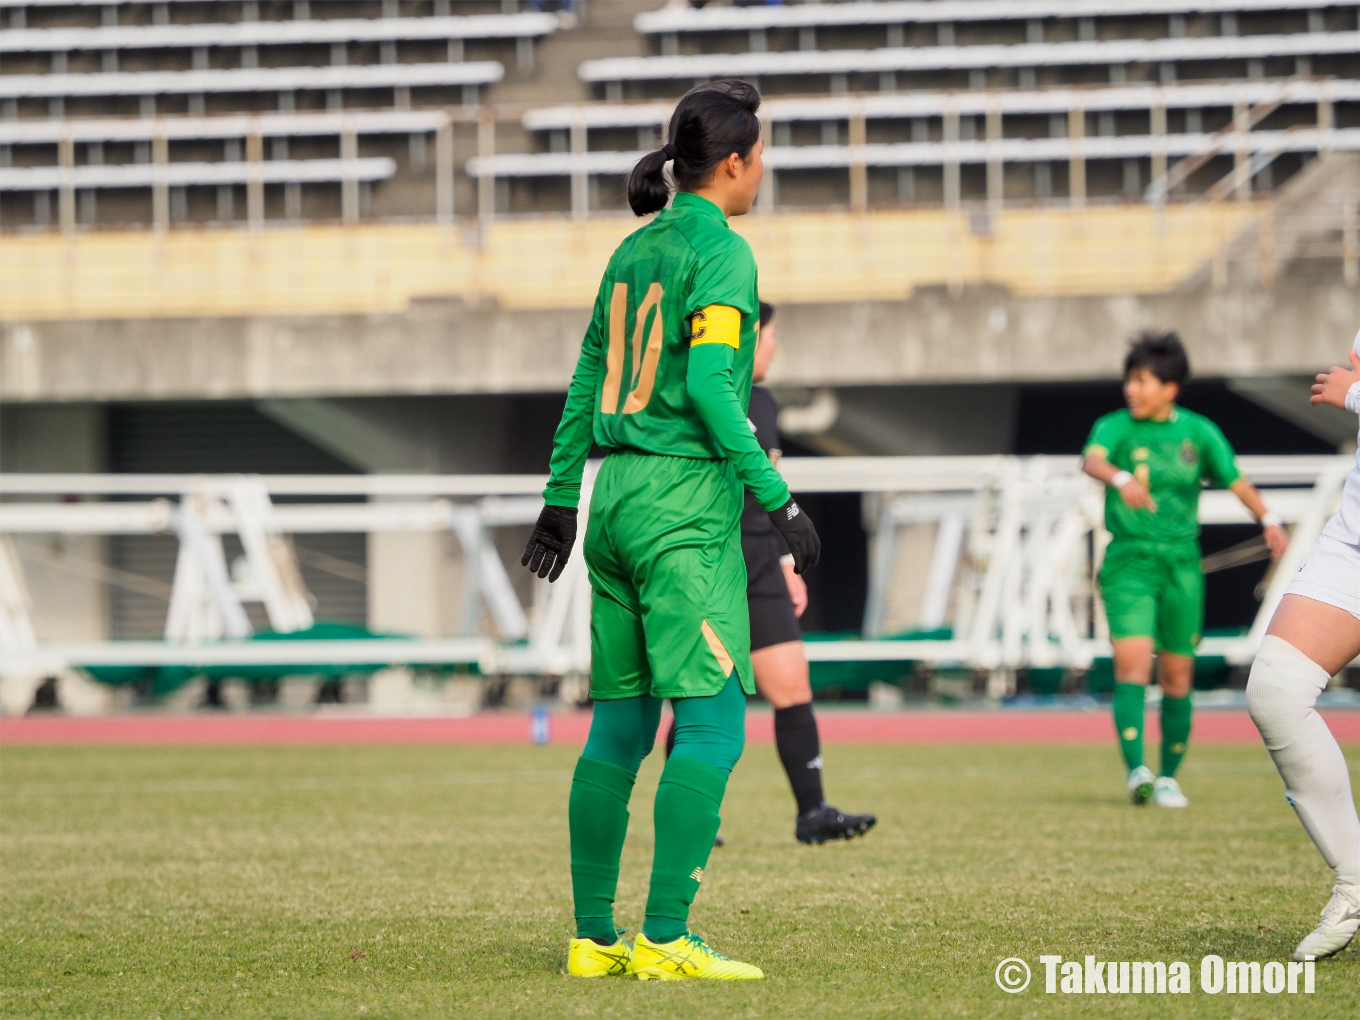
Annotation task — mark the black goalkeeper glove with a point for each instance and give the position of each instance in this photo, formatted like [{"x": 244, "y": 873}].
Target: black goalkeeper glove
[
  {"x": 551, "y": 542},
  {"x": 796, "y": 526}
]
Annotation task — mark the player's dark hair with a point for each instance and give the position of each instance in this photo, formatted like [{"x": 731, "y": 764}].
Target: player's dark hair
[
  {"x": 1161, "y": 353},
  {"x": 766, "y": 313},
  {"x": 710, "y": 123}
]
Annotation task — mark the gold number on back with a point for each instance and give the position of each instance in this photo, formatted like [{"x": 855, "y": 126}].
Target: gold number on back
[{"x": 645, "y": 362}]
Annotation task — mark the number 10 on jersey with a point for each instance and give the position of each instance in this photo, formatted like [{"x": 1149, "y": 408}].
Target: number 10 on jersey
[{"x": 644, "y": 363}]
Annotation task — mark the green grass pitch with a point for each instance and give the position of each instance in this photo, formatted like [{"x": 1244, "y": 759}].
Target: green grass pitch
[{"x": 432, "y": 882}]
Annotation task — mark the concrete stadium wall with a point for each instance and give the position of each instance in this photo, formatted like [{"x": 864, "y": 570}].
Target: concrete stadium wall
[{"x": 977, "y": 334}]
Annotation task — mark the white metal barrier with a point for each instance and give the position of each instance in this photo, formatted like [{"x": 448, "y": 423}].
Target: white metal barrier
[{"x": 1015, "y": 548}]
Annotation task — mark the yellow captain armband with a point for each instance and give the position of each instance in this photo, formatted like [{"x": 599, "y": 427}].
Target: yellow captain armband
[
  {"x": 1096, "y": 450},
  {"x": 716, "y": 324}
]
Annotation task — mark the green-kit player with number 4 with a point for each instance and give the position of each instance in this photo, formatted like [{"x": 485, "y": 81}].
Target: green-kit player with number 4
[
  {"x": 1154, "y": 456},
  {"x": 662, "y": 385}
]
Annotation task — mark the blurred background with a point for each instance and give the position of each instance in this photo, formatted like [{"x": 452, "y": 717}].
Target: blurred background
[{"x": 291, "y": 294}]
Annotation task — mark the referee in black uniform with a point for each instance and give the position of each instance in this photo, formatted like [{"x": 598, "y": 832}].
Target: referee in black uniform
[{"x": 777, "y": 597}]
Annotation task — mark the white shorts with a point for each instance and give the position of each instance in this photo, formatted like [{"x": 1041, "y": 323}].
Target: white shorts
[{"x": 1331, "y": 574}]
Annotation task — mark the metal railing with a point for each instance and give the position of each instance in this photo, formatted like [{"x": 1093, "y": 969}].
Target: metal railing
[{"x": 1015, "y": 547}]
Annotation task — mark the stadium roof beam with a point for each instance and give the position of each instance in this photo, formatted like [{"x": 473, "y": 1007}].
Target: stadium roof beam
[
  {"x": 939, "y": 58},
  {"x": 901, "y": 12},
  {"x": 529, "y": 25},
  {"x": 470, "y": 76},
  {"x": 968, "y": 103}
]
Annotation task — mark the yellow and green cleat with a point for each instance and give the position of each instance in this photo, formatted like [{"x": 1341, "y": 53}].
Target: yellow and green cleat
[
  {"x": 687, "y": 957},
  {"x": 587, "y": 958}
]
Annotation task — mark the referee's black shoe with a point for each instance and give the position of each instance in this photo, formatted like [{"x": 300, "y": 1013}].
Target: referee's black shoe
[{"x": 826, "y": 823}]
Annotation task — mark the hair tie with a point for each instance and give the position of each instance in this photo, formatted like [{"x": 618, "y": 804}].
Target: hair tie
[{"x": 668, "y": 150}]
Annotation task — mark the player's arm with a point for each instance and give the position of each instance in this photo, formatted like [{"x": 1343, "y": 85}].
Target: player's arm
[
  {"x": 709, "y": 385},
  {"x": 555, "y": 532},
  {"x": 1097, "y": 465},
  {"x": 571, "y": 441},
  {"x": 1220, "y": 464},
  {"x": 1272, "y": 527}
]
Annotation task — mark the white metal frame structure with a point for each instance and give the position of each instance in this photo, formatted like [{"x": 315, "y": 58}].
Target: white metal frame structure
[
  {"x": 472, "y": 75},
  {"x": 320, "y": 31},
  {"x": 186, "y": 174},
  {"x": 1017, "y": 543},
  {"x": 242, "y": 125},
  {"x": 1091, "y": 99},
  {"x": 891, "y": 59},
  {"x": 1005, "y": 150},
  {"x": 255, "y": 171},
  {"x": 904, "y": 12},
  {"x": 1251, "y": 149}
]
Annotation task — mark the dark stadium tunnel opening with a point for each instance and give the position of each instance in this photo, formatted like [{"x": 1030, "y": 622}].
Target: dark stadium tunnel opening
[{"x": 1056, "y": 418}]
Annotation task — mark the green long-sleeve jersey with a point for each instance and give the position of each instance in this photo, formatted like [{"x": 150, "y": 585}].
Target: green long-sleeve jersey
[{"x": 654, "y": 373}]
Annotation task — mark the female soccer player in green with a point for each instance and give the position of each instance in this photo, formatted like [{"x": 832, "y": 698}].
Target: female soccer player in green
[
  {"x": 1153, "y": 457},
  {"x": 662, "y": 385}
]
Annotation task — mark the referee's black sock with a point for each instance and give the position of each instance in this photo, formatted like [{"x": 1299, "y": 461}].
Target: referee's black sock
[{"x": 795, "y": 735}]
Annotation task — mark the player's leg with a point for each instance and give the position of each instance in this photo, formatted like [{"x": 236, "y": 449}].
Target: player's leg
[
  {"x": 1176, "y": 677},
  {"x": 1308, "y": 641},
  {"x": 692, "y": 586},
  {"x": 622, "y": 730},
  {"x": 1180, "y": 615},
  {"x": 1129, "y": 586},
  {"x": 709, "y": 736},
  {"x": 782, "y": 678},
  {"x": 710, "y": 733}
]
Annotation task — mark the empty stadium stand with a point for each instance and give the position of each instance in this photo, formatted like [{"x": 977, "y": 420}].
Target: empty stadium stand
[{"x": 316, "y": 80}]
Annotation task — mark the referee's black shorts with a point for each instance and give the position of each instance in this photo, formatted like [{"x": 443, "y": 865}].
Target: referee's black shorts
[{"x": 773, "y": 621}]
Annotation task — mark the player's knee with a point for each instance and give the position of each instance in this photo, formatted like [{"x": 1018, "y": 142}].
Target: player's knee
[{"x": 1282, "y": 690}]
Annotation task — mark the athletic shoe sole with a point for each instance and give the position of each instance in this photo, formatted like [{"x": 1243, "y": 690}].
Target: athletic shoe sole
[{"x": 850, "y": 833}]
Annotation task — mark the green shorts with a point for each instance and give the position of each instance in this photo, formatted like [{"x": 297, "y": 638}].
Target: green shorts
[
  {"x": 663, "y": 545},
  {"x": 1154, "y": 590}
]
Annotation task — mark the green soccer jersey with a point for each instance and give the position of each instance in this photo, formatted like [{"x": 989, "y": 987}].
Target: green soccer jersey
[
  {"x": 1170, "y": 458},
  {"x": 635, "y": 385}
]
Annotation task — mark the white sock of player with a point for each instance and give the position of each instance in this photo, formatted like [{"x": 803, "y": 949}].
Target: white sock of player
[{"x": 1283, "y": 688}]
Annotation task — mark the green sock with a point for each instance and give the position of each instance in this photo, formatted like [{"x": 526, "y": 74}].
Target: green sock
[
  {"x": 1128, "y": 721},
  {"x": 1175, "y": 732},
  {"x": 687, "y": 803},
  {"x": 598, "y": 819}
]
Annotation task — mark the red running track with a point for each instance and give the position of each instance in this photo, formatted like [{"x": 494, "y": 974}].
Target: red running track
[{"x": 948, "y": 726}]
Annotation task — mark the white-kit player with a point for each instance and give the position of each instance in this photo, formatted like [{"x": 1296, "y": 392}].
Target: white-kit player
[{"x": 1313, "y": 635}]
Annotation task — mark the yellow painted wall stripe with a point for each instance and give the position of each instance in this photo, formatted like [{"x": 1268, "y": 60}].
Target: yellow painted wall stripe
[{"x": 830, "y": 256}]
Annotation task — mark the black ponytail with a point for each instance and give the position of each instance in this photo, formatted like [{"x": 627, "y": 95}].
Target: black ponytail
[{"x": 710, "y": 123}]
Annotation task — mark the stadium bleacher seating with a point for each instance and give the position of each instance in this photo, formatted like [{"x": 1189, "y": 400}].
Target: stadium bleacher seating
[
  {"x": 1093, "y": 96},
  {"x": 241, "y": 136},
  {"x": 190, "y": 69},
  {"x": 868, "y": 103},
  {"x": 840, "y": 65},
  {"x": 674, "y": 21}
]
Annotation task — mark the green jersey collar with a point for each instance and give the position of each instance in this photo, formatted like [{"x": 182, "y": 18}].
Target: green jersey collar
[{"x": 698, "y": 205}]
